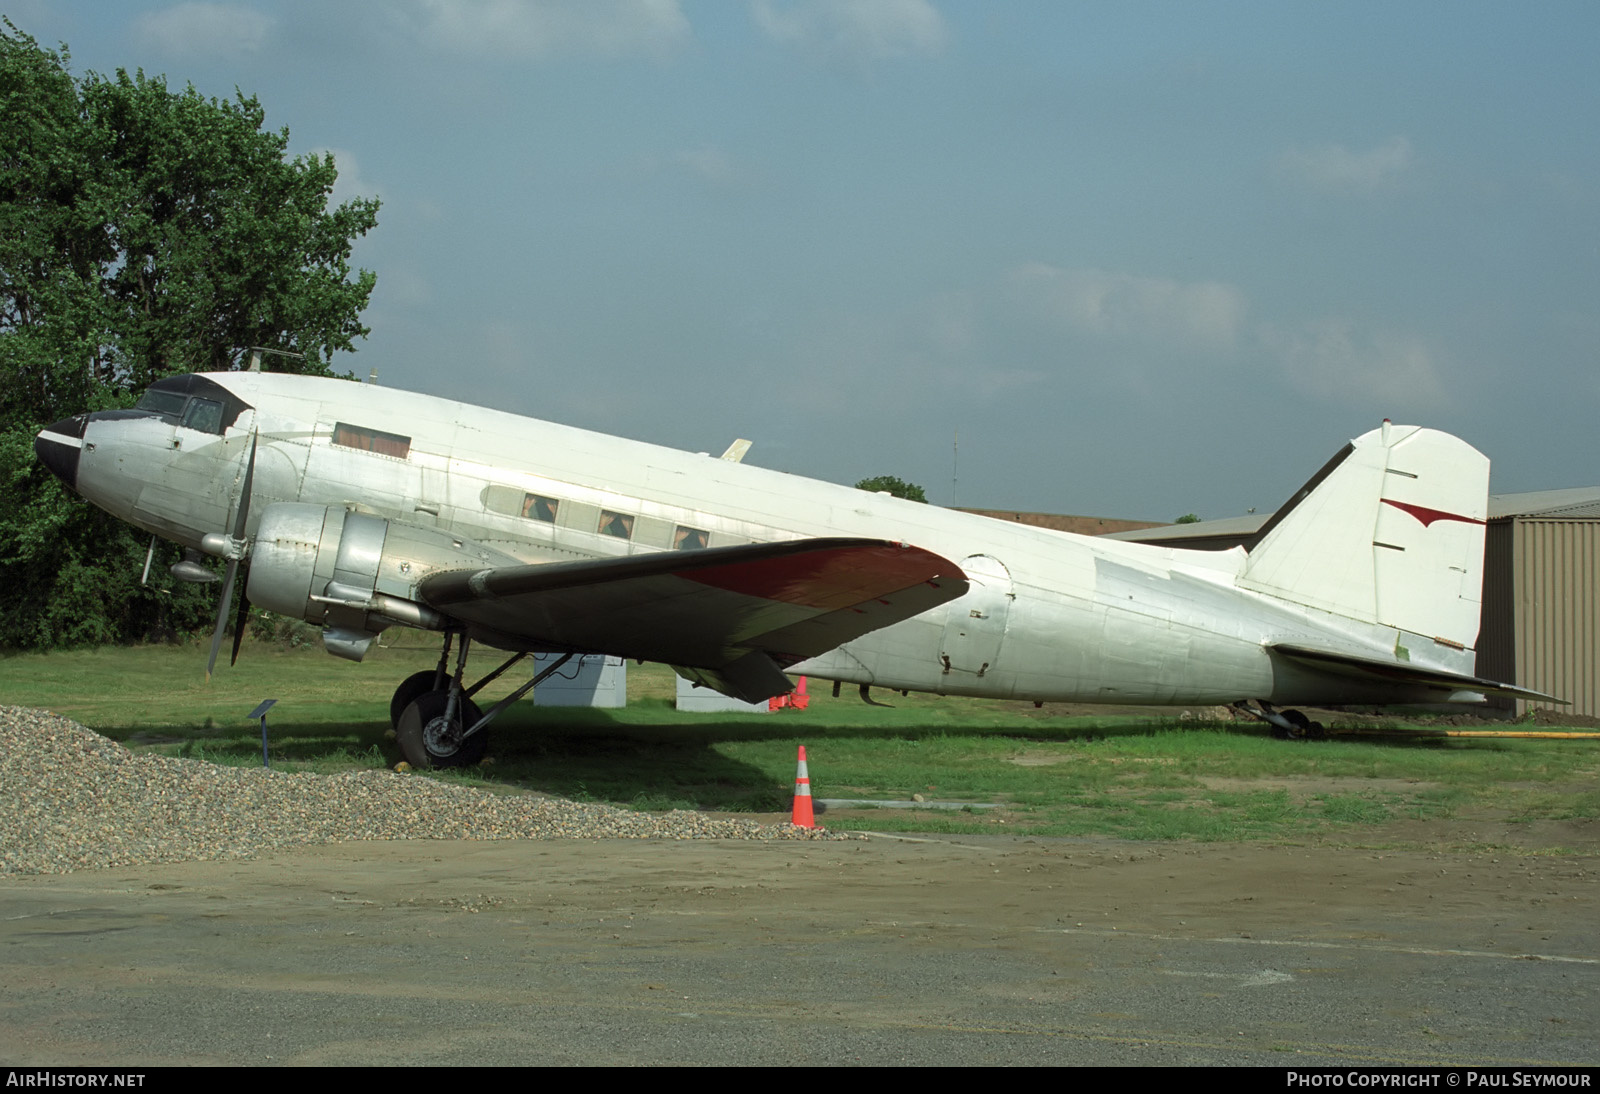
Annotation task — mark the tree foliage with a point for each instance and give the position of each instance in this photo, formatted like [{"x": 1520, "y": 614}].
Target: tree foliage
[
  {"x": 891, "y": 485},
  {"x": 1188, "y": 518},
  {"x": 143, "y": 232}
]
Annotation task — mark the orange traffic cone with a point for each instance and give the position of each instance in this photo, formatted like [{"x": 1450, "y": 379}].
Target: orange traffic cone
[{"x": 801, "y": 817}]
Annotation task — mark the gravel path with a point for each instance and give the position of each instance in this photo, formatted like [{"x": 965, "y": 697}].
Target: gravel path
[{"x": 70, "y": 799}]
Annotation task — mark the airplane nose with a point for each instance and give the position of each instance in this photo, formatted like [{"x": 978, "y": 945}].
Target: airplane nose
[{"x": 59, "y": 445}]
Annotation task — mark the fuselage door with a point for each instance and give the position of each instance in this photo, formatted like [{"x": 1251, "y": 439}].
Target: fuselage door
[{"x": 975, "y": 625}]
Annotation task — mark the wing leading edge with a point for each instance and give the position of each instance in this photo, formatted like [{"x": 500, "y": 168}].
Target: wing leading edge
[{"x": 735, "y": 617}]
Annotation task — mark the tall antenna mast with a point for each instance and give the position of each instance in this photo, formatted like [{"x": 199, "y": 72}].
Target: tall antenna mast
[{"x": 955, "y": 468}]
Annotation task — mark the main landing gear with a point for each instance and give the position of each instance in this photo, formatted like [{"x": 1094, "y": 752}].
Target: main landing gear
[
  {"x": 1286, "y": 724},
  {"x": 436, "y": 722}
]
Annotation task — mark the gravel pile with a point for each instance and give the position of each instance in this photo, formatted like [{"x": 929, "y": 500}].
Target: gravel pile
[{"x": 71, "y": 799}]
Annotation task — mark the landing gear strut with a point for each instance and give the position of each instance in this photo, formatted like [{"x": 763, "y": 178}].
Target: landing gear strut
[
  {"x": 419, "y": 684},
  {"x": 1286, "y": 724},
  {"x": 436, "y": 722}
]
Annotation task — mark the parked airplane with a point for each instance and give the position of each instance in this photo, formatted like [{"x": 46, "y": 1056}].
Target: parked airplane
[{"x": 360, "y": 508}]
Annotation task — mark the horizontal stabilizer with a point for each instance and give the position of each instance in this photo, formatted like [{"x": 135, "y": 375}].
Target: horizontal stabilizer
[
  {"x": 1399, "y": 672},
  {"x": 743, "y": 612}
]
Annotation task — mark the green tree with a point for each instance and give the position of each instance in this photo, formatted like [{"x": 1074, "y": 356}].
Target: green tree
[
  {"x": 143, "y": 232},
  {"x": 889, "y": 484},
  {"x": 1188, "y": 518}
]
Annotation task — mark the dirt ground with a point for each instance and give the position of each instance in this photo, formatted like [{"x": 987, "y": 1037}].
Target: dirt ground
[{"x": 960, "y": 950}]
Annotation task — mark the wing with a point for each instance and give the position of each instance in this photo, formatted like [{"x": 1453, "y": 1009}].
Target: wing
[
  {"x": 736, "y": 615},
  {"x": 1394, "y": 672}
]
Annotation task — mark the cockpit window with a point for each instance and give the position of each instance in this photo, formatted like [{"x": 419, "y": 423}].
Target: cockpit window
[
  {"x": 204, "y": 415},
  {"x": 169, "y": 403},
  {"x": 195, "y": 401}
]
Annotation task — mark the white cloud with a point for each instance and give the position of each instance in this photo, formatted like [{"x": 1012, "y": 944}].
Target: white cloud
[
  {"x": 404, "y": 287},
  {"x": 934, "y": 351},
  {"x": 1337, "y": 169},
  {"x": 1333, "y": 359},
  {"x": 855, "y": 30},
  {"x": 543, "y": 28},
  {"x": 350, "y": 183},
  {"x": 1119, "y": 305},
  {"x": 198, "y": 29},
  {"x": 707, "y": 163}
]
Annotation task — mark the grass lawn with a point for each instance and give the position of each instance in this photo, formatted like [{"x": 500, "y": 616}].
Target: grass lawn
[{"x": 1132, "y": 775}]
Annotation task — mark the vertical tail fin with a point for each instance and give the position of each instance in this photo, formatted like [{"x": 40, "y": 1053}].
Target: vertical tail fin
[{"x": 1389, "y": 532}]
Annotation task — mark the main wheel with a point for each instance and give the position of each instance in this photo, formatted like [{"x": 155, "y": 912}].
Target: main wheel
[
  {"x": 428, "y": 739},
  {"x": 418, "y": 683}
]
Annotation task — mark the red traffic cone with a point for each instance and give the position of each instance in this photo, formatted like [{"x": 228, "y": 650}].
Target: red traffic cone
[{"x": 801, "y": 817}]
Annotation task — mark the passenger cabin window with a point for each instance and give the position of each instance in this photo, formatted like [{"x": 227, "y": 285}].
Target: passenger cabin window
[
  {"x": 535, "y": 507},
  {"x": 371, "y": 440},
  {"x": 688, "y": 539},
  {"x": 616, "y": 524}
]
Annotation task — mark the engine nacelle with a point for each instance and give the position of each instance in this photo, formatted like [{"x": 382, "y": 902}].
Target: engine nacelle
[{"x": 353, "y": 573}]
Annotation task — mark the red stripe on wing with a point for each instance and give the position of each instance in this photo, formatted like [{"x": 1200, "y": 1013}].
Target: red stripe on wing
[{"x": 825, "y": 581}]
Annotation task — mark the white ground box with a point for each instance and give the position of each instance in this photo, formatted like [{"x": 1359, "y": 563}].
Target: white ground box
[
  {"x": 592, "y": 680},
  {"x": 704, "y": 700}
]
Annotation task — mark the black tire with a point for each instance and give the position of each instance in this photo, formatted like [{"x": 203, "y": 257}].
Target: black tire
[
  {"x": 1301, "y": 724},
  {"x": 426, "y": 743},
  {"x": 418, "y": 683}
]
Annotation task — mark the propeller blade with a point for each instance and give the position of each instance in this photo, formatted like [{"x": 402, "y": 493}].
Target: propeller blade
[
  {"x": 233, "y": 567},
  {"x": 242, "y": 619},
  {"x": 244, "y": 489},
  {"x": 222, "y": 615}
]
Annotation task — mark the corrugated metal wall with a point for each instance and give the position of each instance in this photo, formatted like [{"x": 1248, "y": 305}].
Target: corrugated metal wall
[
  {"x": 1497, "y": 637},
  {"x": 1555, "y": 578}
]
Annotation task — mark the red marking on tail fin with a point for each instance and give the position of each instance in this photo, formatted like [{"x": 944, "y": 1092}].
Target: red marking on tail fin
[{"x": 1427, "y": 516}]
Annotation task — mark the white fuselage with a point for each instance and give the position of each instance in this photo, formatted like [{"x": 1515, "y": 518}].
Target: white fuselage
[{"x": 1049, "y": 616}]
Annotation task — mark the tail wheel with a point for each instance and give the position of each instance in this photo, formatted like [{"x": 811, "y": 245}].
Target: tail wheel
[{"x": 428, "y": 739}]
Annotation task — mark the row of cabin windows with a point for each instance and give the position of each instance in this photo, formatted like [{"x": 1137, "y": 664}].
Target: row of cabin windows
[
  {"x": 540, "y": 508},
  {"x": 534, "y": 506}
]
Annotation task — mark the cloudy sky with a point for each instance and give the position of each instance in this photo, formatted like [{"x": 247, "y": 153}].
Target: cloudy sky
[{"x": 1142, "y": 258}]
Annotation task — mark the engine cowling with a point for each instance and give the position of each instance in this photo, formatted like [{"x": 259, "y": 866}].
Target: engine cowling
[{"x": 351, "y": 572}]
